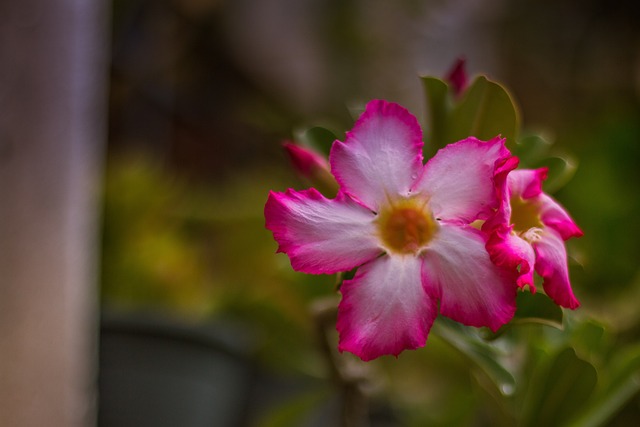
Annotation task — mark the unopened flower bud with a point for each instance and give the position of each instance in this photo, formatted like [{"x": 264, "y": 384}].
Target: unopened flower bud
[
  {"x": 457, "y": 77},
  {"x": 312, "y": 166}
]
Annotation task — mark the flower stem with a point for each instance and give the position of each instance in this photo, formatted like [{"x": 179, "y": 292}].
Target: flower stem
[{"x": 343, "y": 372}]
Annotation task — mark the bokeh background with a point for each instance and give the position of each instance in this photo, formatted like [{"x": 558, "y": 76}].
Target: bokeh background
[{"x": 202, "y": 94}]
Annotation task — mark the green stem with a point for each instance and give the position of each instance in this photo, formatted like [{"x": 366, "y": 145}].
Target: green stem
[{"x": 348, "y": 382}]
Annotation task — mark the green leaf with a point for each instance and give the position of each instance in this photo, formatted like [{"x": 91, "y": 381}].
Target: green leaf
[
  {"x": 626, "y": 365},
  {"x": 483, "y": 354},
  {"x": 485, "y": 111},
  {"x": 530, "y": 149},
  {"x": 625, "y": 384},
  {"x": 436, "y": 92},
  {"x": 561, "y": 170},
  {"x": 317, "y": 138},
  {"x": 531, "y": 309},
  {"x": 599, "y": 412},
  {"x": 590, "y": 339},
  {"x": 533, "y": 152},
  {"x": 537, "y": 308},
  {"x": 559, "y": 390}
]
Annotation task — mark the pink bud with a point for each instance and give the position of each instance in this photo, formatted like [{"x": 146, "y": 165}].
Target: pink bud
[
  {"x": 457, "y": 77},
  {"x": 304, "y": 160},
  {"x": 311, "y": 165}
]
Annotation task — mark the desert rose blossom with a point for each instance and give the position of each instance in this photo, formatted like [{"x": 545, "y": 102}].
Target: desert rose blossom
[
  {"x": 528, "y": 232},
  {"x": 406, "y": 225}
]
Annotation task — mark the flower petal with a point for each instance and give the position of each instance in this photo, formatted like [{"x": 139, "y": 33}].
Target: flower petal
[
  {"x": 556, "y": 217},
  {"x": 384, "y": 309},
  {"x": 551, "y": 264},
  {"x": 381, "y": 156},
  {"x": 514, "y": 254},
  {"x": 502, "y": 216},
  {"x": 321, "y": 235},
  {"x": 459, "y": 179},
  {"x": 527, "y": 183},
  {"x": 458, "y": 271}
]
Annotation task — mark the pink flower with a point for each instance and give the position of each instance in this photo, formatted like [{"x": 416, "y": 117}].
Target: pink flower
[
  {"x": 406, "y": 225},
  {"x": 528, "y": 232}
]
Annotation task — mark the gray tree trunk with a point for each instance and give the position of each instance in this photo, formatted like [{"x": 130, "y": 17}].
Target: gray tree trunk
[{"x": 52, "y": 107}]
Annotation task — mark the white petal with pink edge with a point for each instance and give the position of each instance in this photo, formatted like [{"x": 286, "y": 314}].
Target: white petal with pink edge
[
  {"x": 458, "y": 271},
  {"x": 551, "y": 265},
  {"x": 321, "y": 235},
  {"x": 381, "y": 156},
  {"x": 459, "y": 179},
  {"x": 384, "y": 309}
]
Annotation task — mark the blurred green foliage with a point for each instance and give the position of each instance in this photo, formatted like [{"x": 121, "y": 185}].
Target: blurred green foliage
[
  {"x": 485, "y": 111},
  {"x": 201, "y": 252}
]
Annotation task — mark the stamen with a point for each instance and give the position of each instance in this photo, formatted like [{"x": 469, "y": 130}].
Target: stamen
[
  {"x": 406, "y": 225},
  {"x": 525, "y": 215}
]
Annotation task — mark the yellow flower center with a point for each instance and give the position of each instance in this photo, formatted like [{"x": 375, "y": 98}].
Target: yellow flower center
[
  {"x": 525, "y": 215},
  {"x": 406, "y": 225}
]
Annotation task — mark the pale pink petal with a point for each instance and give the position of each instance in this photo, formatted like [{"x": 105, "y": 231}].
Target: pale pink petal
[
  {"x": 459, "y": 179},
  {"x": 472, "y": 289},
  {"x": 381, "y": 156},
  {"x": 514, "y": 254},
  {"x": 555, "y": 216},
  {"x": 321, "y": 235},
  {"x": 551, "y": 264},
  {"x": 384, "y": 309},
  {"x": 527, "y": 183}
]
